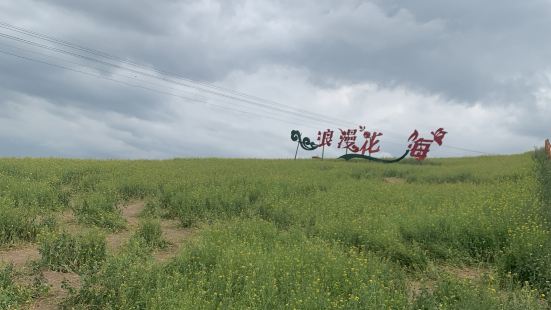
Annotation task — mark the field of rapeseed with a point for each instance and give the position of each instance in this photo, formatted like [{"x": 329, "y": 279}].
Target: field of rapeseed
[{"x": 461, "y": 233}]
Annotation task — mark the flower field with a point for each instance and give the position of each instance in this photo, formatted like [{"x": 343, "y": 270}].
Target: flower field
[{"x": 457, "y": 233}]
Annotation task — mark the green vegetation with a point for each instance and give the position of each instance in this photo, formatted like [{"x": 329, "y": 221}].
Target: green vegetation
[
  {"x": 66, "y": 252},
  {"x": 11, "y": 294},
  {"x": 150, "y": 234},
  {"x": 461, "y": 233},
  {"x": 99, "y": 210}
]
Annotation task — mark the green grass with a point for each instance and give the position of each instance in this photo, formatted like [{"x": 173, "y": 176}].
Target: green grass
[
  {"x": 299, "y": 234},
  {"x": 150, "y": 234},
  {"x": 99, "y": 210},
  {"x": 62, "y": 251},
  {"x": 11, "y": 294}
]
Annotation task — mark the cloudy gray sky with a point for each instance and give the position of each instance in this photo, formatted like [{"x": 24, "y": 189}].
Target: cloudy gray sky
[{"x": 480, "y": 69}]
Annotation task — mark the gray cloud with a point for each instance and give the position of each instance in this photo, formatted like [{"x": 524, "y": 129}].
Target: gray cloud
[
  {"x": 70, "y": 88},
  {"x": 149, "y": 17},
  {"x": 345, "y": 59},
  {"x": 464, "y": 50}
]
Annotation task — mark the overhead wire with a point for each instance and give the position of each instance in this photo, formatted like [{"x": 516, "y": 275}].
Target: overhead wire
[
  {"x": 162, "y": 72},
  {"x": 134, "y": 78},
  {"x": 189, "y": 99},
  {"x": 237, "y": 96},
  {"x": 210, "y": 91},
  {"x": 292, "y": 114},
  {"x": 202, "y": 98}
]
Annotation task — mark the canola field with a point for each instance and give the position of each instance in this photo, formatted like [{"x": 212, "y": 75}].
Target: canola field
[{"x": 458, "y": 233}]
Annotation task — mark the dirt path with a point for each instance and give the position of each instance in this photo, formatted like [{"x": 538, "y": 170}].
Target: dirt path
[
  {"x": 21, "y": 256},
  {"x": 172, "y": 232},
  {"x": 69, "y": 222},
  {"x": 56, "y": 293},
  {"x": 55, "y": 280},
  {"x": 175, "y": 235},
  {"x": 393, "y": 180},
  {"x": 467, "y": 273},
  {"x": 130, "y": 213}
]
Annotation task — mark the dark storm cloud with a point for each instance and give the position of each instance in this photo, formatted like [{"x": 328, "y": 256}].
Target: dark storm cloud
[
  {"x": 466, "y": 54},
  {"x": 92, "y": 92},
  {"x": 150, "y": 17},
  {"x": 466, "y": 51}
]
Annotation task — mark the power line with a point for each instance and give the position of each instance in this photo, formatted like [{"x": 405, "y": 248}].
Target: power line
[
  {"x": 219, "y": 91},
  {"x": 161, "y": 78},
  {"x": 18, "y": 39},
  {"x": 94, "y": 68},
  {"x": 202, "y": 99},
  {"x": 143, "y": 87},
  {"x": 96, "y": 52},
  {"x": 178, "y": 96}
]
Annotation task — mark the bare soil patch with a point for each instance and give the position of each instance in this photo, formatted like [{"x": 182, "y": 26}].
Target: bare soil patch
[
  {"x": 415, "y": 288},
  {"x": 69, "y": 222},
  {"x": 57, "y": 293},
  {"x": 467, "y": 273},
  {"x": 175, "y": 235},
  {"x": 20, "y": 256},
  {"x": 130, "y": 213},
  {"x": 172, "y": 232},
  {"x": 394, "y": 180}
]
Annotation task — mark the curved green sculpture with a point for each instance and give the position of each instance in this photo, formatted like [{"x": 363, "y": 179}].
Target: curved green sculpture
[
  {"x": 304, "y": 143},
  {"x": 380, "y": 160}
]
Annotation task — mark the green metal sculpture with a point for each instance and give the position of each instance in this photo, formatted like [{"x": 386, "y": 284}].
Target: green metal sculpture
[
  {"x": 380, "y": 160},
  {"x": 305, "y": 143}
]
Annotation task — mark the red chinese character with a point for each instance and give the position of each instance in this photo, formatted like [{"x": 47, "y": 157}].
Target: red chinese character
[
  {"x": 371, "y": 142},
  {"x": 325, "y": 138},
  {"x": 420, "y": 146},
  {"x": 439, "y": 135},
  {"x": 348, "y": 138}
]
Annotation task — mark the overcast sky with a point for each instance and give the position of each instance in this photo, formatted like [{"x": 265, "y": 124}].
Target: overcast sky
[{"x": 480, "y": 69}]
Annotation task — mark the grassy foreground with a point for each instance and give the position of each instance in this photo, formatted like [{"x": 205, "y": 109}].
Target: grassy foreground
[{"x": 468, "y": 233}]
